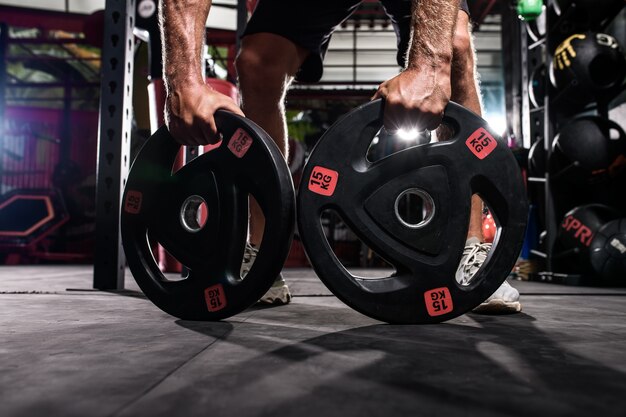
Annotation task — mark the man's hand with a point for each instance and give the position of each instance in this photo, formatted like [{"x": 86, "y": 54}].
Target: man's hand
[
  {"x": 416, "y": 98},
  {"x": 189, "y": 113},
  {"x": 190, "y": 104}
]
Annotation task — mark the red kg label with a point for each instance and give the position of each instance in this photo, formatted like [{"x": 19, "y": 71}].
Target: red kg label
[
  {"x": 481, "y": 143},
  {"x": 239, "y": 143},
  {"x": 323, "y": 181},
  {"x": 438, "y": 301},
  {"x": 215, "y": 298},
  {"x": 132, "y": 204}
]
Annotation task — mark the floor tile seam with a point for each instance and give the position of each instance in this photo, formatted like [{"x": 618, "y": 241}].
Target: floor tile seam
[
  {"x": 165, "y": 377},
  {"x": 73, "y": 293},
  {"x": 578, "y": 294}
]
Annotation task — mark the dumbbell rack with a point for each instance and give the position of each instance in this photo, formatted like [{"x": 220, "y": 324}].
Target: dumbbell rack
[{"x": 540, "y": 124}]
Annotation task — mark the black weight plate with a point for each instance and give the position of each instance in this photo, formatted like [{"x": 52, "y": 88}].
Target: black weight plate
[
  {"x": 339, "y": 177},
  {"x": 246, "y": 162}
]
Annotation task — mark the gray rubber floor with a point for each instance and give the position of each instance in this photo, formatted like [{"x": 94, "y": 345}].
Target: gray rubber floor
[{"x": 66, "y": 350}]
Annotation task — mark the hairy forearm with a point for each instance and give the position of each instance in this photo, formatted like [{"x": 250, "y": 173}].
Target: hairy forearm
[
  {"x": 433, "y": 29},
  {"x": 182, "y": 24}
]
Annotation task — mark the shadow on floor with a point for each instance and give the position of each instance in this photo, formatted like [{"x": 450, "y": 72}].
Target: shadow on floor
[{"x": 492, "y": 366}]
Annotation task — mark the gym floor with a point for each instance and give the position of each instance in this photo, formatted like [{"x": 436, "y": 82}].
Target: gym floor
[{"x": 67, "y": 350}]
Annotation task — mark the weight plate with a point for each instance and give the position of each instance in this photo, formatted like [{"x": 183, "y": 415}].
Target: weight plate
[
  {"x": 163, "y": 206},
  {"x": 339, "y": 177}
]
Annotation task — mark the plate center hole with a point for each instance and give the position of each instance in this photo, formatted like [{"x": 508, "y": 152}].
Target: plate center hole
[
  {"x": 194, "y": 213},
  {"x": 414, "y": 208}
]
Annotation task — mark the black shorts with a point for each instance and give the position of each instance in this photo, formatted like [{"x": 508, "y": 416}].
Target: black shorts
[{"x": 310, "y": 25}]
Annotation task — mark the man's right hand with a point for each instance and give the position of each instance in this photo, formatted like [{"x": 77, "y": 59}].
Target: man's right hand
[{"x": 189, "y": 113}]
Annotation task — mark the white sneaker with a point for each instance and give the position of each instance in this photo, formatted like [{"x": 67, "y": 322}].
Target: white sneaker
[
  {"x": 505, "y": 299},
  {"x": 279, "y": 293},
  {"x": 249, "y": 256},
  {"x": 474, "y": 256}
]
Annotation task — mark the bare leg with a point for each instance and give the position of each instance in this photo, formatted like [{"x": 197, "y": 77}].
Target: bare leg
[
  {"x": 266, "y": 65},
  {"x": 465, "y": 92}
]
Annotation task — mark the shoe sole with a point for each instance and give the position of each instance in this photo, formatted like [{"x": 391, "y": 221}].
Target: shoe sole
[
  {"x": 499, "y": 307},
  {"x": 276, "y": 296}
]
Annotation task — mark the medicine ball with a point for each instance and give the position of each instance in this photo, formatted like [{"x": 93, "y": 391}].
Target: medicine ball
[
  {"x": 608, "y": 251},
  {"x": 587, "y": 67},
  {"x": 537, "y": 86},
  {"x": 576, "y": 233},
  {"x": 537, "y": 160},
  {"x": 591, "y": 149},
  {"x": 587, "y": 13}
]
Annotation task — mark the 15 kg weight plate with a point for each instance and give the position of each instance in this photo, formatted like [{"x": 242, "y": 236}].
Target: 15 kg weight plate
[
  {"x": 199, "y": 214},
  {"x": 445, "y": 175}
]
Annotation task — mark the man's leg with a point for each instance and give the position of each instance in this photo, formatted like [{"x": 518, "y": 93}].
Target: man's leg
[
  {"x": 266, "y": 65},
  {"x": 465, "y": 91}
]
